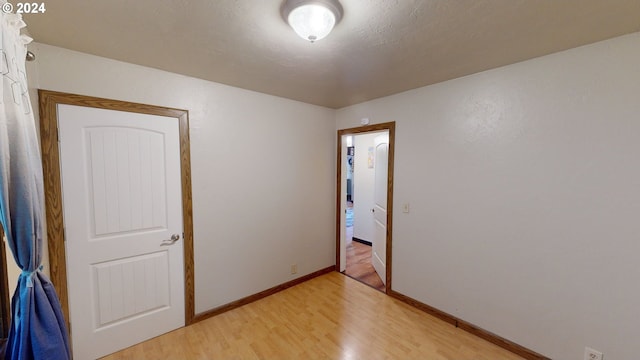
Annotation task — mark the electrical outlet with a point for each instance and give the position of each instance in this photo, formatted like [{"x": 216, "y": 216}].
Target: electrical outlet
[
  {"x": 294, "y": 268},
  {"x": 405, "y": 207},
  {"x": 590, "y": 354}
]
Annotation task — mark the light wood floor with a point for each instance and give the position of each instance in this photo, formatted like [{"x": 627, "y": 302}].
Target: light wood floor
[
  {"x": 329, "y": 317},
  {"x": 359, "y": 265}
]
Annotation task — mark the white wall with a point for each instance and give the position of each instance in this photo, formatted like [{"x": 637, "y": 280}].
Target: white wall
[
  {"x": 524, "y": 184},
  {"x": 363, "y": 224},
  {"x": 263, "y": 170}
]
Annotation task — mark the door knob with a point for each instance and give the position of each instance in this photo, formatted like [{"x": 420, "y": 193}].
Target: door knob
[{"x": 167, "y": 242}]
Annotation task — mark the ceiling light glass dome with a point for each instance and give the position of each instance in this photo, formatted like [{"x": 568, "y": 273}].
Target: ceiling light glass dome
[{"x": 312, "y": 20}]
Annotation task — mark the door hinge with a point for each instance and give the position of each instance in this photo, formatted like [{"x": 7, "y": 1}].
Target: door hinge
[{"x": 58, "y": 133}]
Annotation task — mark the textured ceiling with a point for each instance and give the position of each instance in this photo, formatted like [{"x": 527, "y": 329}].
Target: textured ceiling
[{"x": 380, "y": 47}]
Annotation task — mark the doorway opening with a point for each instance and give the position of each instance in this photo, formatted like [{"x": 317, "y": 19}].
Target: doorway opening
[{"x": 364, "y": 199}]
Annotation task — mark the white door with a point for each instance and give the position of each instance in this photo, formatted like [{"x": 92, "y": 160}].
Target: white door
[
  {"x": 379, "y": 256},
  {"x": 342, "y": 266},
  {"x": 122, "y": 204}
]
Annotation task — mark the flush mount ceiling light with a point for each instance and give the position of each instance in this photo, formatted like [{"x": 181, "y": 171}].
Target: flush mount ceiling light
[{"x": 312, "y": 19}]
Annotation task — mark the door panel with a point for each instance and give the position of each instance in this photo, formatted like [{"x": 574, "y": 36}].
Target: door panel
[
  {"x": 130, "y": 287},
  {"x": 127, "y": 182},
  {"x": 122, "y": 204},
  {"x": 380, "y": 206}
]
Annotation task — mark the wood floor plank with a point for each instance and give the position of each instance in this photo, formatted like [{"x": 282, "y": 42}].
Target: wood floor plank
[
  {"x": 329, "y": 317},
  {"x": 359, "y": 265}
]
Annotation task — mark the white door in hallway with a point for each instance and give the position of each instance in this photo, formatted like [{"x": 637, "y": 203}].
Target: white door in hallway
[
  {"x": 121, "y": 186},
  {"x": 381, "y": 166}
]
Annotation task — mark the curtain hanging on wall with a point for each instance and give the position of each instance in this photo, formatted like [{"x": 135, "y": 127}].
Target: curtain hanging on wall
[{"x": 37, "y": 325}]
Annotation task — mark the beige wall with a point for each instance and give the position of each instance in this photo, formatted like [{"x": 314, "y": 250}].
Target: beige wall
[
  {"x": 524, "y": 185},
  {"x": 13, "y": 271},
  {"x": 262, "y": 167}
]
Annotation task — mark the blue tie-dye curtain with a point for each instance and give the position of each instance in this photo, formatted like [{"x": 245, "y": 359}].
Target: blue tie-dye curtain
[{"x": 37, "y": 325}]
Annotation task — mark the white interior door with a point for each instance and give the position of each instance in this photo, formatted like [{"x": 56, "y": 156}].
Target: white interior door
[
  {"x": 381, "y": 165},
  {"x": 343, "y": 207},
  {"x": 122, "y": 200}
]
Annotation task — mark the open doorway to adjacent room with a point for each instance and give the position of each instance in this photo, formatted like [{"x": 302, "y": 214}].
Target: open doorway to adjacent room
[{"x": 365, "y": 177}]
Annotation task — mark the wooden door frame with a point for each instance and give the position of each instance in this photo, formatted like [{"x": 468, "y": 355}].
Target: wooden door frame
[
  {"x": 391, "y": 128},
  {"x": 49, "y": 101}
]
